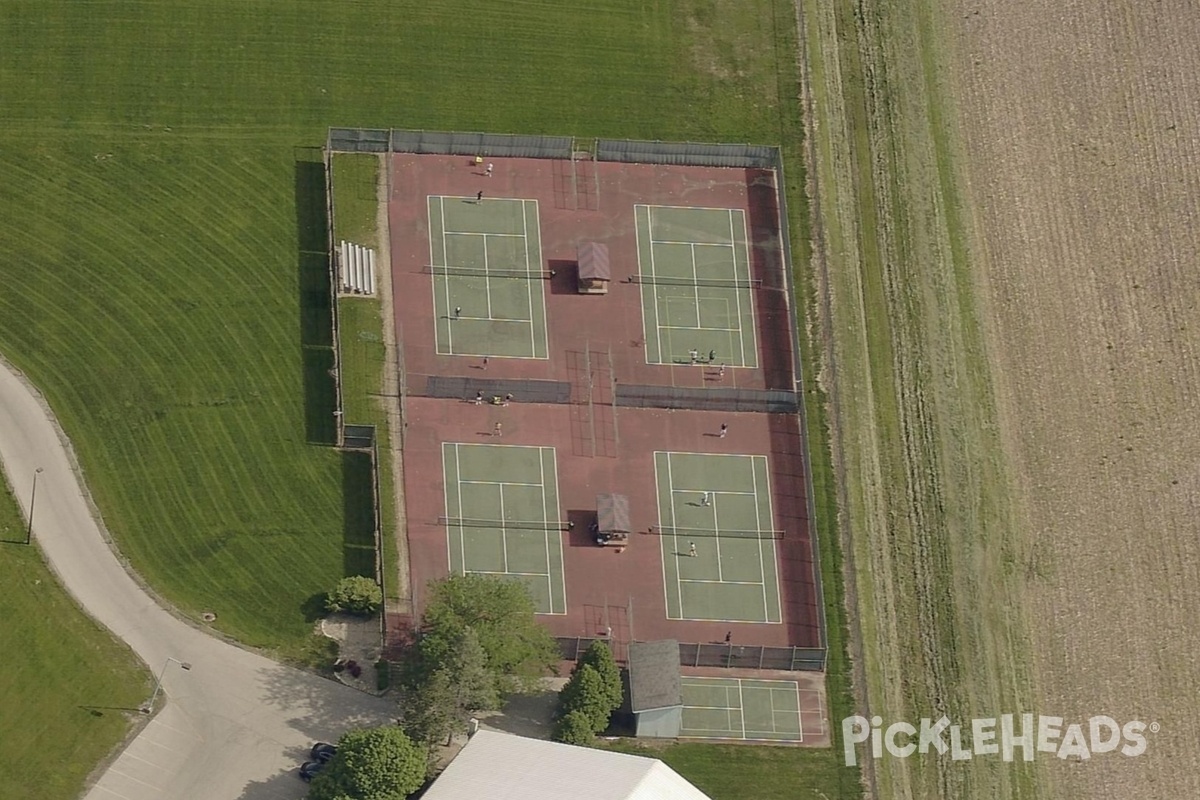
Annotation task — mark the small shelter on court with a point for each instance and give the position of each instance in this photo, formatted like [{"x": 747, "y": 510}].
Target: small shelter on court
[
  {"x": 655, "y": 689},
  {"x": 612, "y": 520},
  {"x": 500, "y": 766},
  {"x": 594, "y": 270}
]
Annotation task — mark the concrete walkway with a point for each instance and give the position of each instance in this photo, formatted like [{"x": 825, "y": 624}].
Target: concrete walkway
[{"x": 236, "y": 726}]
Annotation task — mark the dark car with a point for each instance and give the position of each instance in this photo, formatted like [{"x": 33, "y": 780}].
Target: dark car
[
  {"x": 310, "y": 769},
  {"x": 322, "y": 751}
]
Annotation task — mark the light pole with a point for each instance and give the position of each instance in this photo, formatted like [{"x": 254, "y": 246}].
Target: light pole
[
  {"x": 32, "y": 500},
  {"x": 146, "y": 709}
]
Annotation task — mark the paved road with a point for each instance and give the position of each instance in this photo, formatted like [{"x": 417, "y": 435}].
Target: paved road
[{"x": 235, "y": 726}]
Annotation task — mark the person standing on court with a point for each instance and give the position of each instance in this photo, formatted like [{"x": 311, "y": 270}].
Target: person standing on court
[
  {"x": 692, "y": 549},
  {"x": 498, "y": 430},
  {"x": 488, "y": 171},
  {"x": 457, "y": 312},
  {"x": 479, "y": 196},
  {"x": 479, "y": 398},
  {"x": 724, "y": 430}
]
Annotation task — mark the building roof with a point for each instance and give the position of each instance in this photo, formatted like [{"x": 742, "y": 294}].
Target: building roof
[
  {"x": 593, "y": 262},
  {"x": 654, "y": 675},
  {"x": 500, "y": 766}
]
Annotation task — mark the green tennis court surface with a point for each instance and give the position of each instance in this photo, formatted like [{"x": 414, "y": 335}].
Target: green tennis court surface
[
  {"x": 485, "y": 257},
  {"x": 738, "y": 708},
  {"x": 721, "y": 506},
  {"x": 502, "y": 517},
  {"x": 697, "y": 293}
]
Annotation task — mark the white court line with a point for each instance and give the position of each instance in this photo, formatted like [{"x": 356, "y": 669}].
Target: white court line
[
  {"x": 723, "y": 491},
  {"x": 758, "y": 526},
  {"x": 741, "y": 708},
  {"x": 701, "y": 328},
  {"x": 675, "y": 540},
  {"x": 499, "y": 483},
  {"x": 726, "y": 583},
  {"x": 703, "y": 244},
  {"x": 546, "y": 534},
  {"x": 482, "y": 233},
  {"x": 503, "y": 529},
  {"x": 506, "y": 572},
  {"x": 462, "y": 536},
  {"x": 696, "y": 282},
  {"x": 738, "y": 295},
  {"x": 717, "y": 538},
  {"x": 529, "y": 288},
  {"x": 774, "y": 549}
]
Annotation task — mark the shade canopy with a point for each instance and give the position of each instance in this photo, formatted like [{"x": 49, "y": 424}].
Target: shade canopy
[
  {"x": 612, "y": 513},
  {"x": 593, "y": 262}
]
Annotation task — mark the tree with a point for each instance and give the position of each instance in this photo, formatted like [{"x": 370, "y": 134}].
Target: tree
[
  {"x": 355, "y": 595},
  {"x": 600, "y": 657},
  {"x": 443, "y": 702},
  {"x": 585, "y": 693},
  {"x": 574, "y": 728},
  {"x": 501, "y": 613},
  {"x": 371, "y": 764}
]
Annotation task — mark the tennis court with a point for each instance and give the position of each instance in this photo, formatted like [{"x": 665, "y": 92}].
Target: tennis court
[
  {"x": 485, "y": 258},
  {"x": 502, "y": 517},
  {"x": 697, "y": 293},
  {"x": 739, "y": 708},
  {"x": 717, "y": 537}
]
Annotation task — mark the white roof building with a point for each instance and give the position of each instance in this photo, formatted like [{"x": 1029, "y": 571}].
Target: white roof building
[{"x": 500, "y": 766}]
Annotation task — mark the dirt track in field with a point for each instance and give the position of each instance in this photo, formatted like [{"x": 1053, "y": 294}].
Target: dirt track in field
[{"x": 1081, "y": 123}]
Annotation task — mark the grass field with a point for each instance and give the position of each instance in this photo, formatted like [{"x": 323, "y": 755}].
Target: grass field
[
  {"x": 161, "y": 207},
  {"x": 70, "y": 692},
  {"x": 918, "y": 454}
]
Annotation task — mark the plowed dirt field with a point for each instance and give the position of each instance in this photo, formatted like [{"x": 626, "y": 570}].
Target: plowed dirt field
[{"x": 1081, "y": 126}]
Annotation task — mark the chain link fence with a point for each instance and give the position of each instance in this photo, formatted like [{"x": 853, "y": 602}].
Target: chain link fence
[
  {"x": 687, "y": 154},
  {"x": 724, "y": 656}
]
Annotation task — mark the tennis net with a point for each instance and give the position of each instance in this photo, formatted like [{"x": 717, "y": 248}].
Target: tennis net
[
  {"x": 509, "y": 524},
  {"x": 719, "y": 283},
  {"x": 477, "y": 272},
  {"x": 721, "y": 533}
]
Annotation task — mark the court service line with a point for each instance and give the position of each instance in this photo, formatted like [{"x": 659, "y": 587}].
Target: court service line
[
  {"x": 774, "y": 549},
  {"x": 518, "y": 574},
  {"x": 750, "y": 294},
  {"x": 698, "y": 328},
  {"x": 723, "y": 491},
  {"x": 717, "y": 528}
]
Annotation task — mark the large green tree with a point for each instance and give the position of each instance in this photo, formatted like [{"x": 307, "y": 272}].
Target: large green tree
[
  {"x": 600, "y": 657},
  {"x": 371, "y": 764},
  {"x": 442, "y": 703},
  {"x": 501, "y": 614}
]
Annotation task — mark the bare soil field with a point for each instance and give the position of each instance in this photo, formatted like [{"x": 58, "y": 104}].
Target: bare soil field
[{"x": 1080, "y": 123}]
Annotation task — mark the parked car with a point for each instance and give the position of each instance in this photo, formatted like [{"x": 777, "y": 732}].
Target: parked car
[
  {"x": 322, "y": 751},
  {"x": 310, "y": 769}
]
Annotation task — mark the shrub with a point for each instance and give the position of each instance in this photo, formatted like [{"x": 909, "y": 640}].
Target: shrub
[
  {"x": 574, "y": 728},
  {"x": 355, "y": 595}
]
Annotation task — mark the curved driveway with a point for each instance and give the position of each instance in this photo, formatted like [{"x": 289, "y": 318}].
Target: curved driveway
[{"x": 235, "y": 726}]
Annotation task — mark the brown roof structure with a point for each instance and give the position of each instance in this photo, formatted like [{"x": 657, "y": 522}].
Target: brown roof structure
[{"x": 593, "y": 262}]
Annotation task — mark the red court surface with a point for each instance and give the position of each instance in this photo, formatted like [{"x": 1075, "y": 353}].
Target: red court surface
[{"x": 596, "y": 341}]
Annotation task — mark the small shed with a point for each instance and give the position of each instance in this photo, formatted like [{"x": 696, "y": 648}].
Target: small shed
[
  {"x": 655, "y": 689},
  {"x": 612, "y": 519},
  {"x": 594, "y": 270}
]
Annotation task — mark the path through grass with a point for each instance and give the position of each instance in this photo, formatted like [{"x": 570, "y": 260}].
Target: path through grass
[{"x": 70, "y": 692}]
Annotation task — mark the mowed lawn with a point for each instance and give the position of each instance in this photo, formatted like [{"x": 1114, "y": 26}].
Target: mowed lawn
[
  {"x": 69, "y": 689},
  {"x": 161, "y": 222}
]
